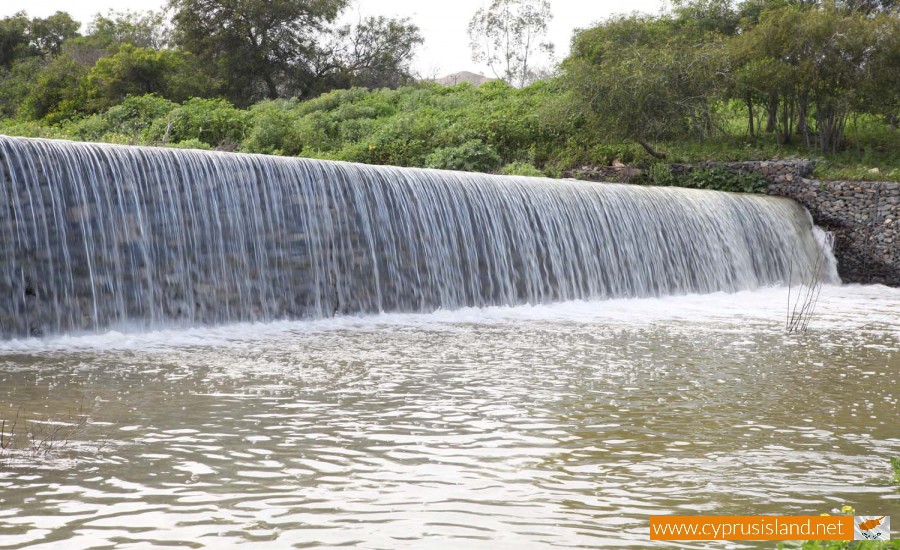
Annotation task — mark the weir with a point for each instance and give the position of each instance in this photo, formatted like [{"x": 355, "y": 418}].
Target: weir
[{"x": 94, "y": 236}]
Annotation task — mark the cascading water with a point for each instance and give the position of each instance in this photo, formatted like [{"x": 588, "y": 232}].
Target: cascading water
[{"x": 94, "y": 236}]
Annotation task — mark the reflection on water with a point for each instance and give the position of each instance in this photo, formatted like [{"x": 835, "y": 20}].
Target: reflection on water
[{"x": 564, "y": 425}]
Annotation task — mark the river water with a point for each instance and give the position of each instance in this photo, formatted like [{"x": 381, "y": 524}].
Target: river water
[{"x": 563, "y": 425}]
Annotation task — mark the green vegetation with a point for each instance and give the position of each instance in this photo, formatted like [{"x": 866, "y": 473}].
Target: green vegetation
[
  {"x": 464, "y": 128},
  {"x": 711, "y": 80},
  {"x": 506, "y": 37},
  {"x": 704, "y": 178}
]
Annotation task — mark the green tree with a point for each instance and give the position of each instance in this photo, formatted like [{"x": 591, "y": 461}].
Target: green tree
[
  {"x": 141, "y": 29},
  {"x": 708, "y": 16},
  {"x": 810, "y": 66},
  {"x": 47, "y": 35},
  {"x": 27, "y": 51},
  {"x": 14, "y": 41},
  {"x": 107, "y": 33},
  {"x": 508, "y": 35},
  {"x": 637, "y": 78},
  {"x": 257, "y": 48},
  {"x": 16, "y": 83},
  {"x": 880, "y": 92},
  {"x": 869, "y": 7},
  {"x": 375, "y": 53},
  {"x": 57, "y": 92},
  {"x": 171, "y": 74},
  {"x": 22, "y": 37}
]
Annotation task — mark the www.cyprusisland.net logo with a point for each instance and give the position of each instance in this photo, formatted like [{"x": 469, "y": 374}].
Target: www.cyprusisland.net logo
[{"x": 871, "y": 527}]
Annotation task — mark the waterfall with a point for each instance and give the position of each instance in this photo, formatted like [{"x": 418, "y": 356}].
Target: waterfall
[{"x": 95, "y": 236}]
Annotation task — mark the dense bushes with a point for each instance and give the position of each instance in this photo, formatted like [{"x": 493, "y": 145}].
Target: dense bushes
[
  {"x": 136, "y": 119},
  {"x": 494, "y": 128},
  {"x": 460, "y": 128},
  {"x": 705, "y": 178},
  {"x": 471, "y": 156},
  {"x": 212, "y": 121}
]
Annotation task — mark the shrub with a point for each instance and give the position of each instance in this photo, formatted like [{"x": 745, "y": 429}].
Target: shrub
[
  {"x": 136, "y": 71},
  {"x": 521, "y": 169},
  {"x": 215, "y": 122},
  {"x": 332, "y": 100},
  {"x": 724, "y": 180},
  {"x": 190, "y": 144},
  {"x": 273, "y": 129},
  {"x": 471, "y": 156},
  {"x": 605, "y": 153},
  {"x": 136, "y": 117},
  {"x": 660, "y": 174},
  {"x": 718, "y": 179},
  {"x": 31, "y": 128}
]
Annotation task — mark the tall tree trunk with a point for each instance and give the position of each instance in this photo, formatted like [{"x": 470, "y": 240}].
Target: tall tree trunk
[
  {"x": 802, "y": 116},
  {"x": 271, "y": 87},
  {"x": 786, "y": 131},
  {"x": 772, "y": 110},
  {"x": 750, "y": 115}
]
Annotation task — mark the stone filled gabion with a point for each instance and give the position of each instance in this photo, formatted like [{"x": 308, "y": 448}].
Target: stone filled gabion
[{"x": 862, "y": 216}]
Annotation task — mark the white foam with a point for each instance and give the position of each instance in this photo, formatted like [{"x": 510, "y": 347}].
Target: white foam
[{"x": 847, "y": 307}]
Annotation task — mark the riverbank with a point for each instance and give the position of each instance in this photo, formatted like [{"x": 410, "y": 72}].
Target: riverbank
[{"x": 495, "y": 128}]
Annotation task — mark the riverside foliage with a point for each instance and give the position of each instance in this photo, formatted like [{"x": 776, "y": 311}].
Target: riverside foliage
[{"x": 710, "y": 80}]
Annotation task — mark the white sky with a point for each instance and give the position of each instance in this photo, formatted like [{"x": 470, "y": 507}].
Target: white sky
[{"x": 443, "y": 22}]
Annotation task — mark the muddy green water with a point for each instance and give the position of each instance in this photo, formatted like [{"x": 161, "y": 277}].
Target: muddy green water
[{"x": 555, "y": 426}]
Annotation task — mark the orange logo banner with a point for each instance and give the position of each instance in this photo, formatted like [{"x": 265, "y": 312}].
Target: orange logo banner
[{"x": 751, "y": 528}]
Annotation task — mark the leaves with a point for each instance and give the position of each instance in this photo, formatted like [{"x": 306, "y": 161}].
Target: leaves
[
  {"x": 507, "y": 37},
  {"x": 257, "y": 48},
  {"x": 138, "y": 71}
]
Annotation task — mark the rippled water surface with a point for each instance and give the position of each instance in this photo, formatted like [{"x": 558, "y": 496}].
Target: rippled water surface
[{"x": 553, "y": 426}]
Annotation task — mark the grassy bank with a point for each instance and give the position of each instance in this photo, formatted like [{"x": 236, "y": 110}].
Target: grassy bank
[{"x": 494, "y": 128}]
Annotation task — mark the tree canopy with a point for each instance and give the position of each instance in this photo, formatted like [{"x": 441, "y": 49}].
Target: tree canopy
[
  {"x": 805, "y": 67},
  {"x": 259, "y": 48},
  {"x": 811, "y": 77},
  {"x": 377, "y": 52},
  {"x": 507, "y": 36},
  {"x": 241, "y": 50},
  {"x": 22, "y": 37},
  {"x": 140, "y": 29}
]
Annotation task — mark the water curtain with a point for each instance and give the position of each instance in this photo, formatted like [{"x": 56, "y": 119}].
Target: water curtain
[{"x": 95, "y": 236}]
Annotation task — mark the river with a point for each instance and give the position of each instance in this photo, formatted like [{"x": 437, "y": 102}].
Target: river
[{"x": 563, "y": 425}]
